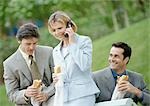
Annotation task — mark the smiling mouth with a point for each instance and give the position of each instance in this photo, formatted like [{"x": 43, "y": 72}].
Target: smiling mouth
[{"x": 113, "y": 64}]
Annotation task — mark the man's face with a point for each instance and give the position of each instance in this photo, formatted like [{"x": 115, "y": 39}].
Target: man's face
[
  {"x": 116, "y": 60},
  {"x": 28, "y": 45}
]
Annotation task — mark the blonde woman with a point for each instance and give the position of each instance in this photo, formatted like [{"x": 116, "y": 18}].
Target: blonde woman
[{"x": 74, "y": 55}]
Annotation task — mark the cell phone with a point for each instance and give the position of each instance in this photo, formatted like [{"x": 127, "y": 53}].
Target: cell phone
[{"x": 69, "y": 24}]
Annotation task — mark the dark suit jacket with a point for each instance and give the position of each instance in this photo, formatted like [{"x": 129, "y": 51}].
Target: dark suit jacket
[
  {"x": 106, "y": 83},
  {"x": 17, "y": 75}
]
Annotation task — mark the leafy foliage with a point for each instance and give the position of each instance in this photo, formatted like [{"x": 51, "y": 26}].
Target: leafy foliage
[{"x": 86, "y": 13}]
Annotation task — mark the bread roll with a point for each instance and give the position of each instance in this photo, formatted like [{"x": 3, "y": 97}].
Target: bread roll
[
  {"x": 123, "y": 78},
  {"x": 57, "y": 69},
  {"x": 37, "y": 83}
]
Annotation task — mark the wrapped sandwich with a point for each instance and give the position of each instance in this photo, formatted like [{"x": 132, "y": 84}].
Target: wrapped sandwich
[
  {"x": 123, "y": 78},
  {"x": 57, "y": 69},
  {"x": 38, "y": 85},
  {"x": 58, "y": 98},
  {"x": 119, "y": 94}
]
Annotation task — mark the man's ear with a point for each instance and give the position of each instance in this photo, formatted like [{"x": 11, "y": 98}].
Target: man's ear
[{"x": 126, "y": 60}]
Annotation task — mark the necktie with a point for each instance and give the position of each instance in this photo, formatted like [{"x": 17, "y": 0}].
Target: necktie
[{"x": 34, "y": 69}]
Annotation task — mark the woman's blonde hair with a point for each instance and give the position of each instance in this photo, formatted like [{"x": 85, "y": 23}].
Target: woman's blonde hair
[{"x": 62, "y": 17}]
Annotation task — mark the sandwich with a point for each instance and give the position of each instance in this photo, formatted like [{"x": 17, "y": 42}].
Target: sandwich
[
  {"x": 37, "y": 83},
  {"x": 123, "y": 78},
  {"x": 57, "y": 69},
  {"x": 119, "y": 94}
]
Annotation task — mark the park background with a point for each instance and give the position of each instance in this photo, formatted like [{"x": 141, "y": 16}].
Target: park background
[{"x": 105, "y": 21}]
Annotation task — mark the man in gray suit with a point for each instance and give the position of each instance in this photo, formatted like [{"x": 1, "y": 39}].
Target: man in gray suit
[
  {"x": 106, "y": 79},
  {"x": 18, "y": 75}
]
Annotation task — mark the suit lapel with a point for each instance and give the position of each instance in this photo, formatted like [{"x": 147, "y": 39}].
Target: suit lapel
[
  {"x": 58, "y": 53},
  {"x": 66, "y": 54},
  {"x": 110, "y": 80},
  {"x": 23, "y": 66},
  {"x": 40, "y": 61}
]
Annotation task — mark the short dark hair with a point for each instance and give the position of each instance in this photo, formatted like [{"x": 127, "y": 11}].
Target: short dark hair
[
  {"x": 26, "y": 31},
  {"x": 127, "y": 49}
]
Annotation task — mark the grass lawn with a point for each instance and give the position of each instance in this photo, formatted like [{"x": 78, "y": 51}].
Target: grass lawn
[{"x": 3, "y": 98}]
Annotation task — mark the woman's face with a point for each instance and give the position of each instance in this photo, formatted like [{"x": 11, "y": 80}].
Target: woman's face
[{"x": 58, "y": 30}]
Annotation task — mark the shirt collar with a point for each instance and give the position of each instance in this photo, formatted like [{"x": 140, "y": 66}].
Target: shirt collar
[{"x": 115, "y": 74}]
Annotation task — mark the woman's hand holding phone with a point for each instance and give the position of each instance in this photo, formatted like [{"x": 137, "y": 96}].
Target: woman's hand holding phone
[{"x": 69, "y": 33}]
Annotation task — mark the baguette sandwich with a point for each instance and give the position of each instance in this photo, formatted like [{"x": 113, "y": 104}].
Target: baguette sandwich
[
  {"x": 37, "y": 83},
  {"x": 119, "y": 94},
  {"x": 123, "y": 78},
  {"x": 57, "y": 69}
]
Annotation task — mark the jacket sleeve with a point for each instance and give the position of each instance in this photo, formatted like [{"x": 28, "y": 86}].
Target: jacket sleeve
[
  {"x": 146, "y": 94},
  {"x": 50, "y": 88},
  {"x": 81, "y": 53},
  {"x": 12, "y": 87}
]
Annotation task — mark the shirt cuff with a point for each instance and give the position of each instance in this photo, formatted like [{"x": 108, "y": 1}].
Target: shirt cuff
[
  {"x": 142, "y": 96},
  {"x": 26, "y": 98}
]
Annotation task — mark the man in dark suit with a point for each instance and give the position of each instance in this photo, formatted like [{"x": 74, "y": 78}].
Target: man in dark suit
[
  {"x": 19, "y": 76},
  {"x": 106, "y": 79}
]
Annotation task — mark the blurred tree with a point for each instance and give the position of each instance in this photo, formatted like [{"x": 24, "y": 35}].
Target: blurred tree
[
  {"x": 3, "y": 6},
  {"x": 119, "y": 15},
  {"x": 107, "y": 13}
]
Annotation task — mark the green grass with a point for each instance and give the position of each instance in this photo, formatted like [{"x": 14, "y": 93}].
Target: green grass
[
  {"x": 137, "y": 36},
  {"x": 3, "y": 98}
]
